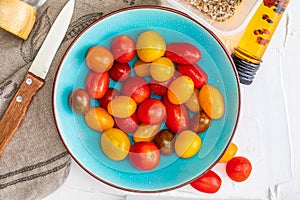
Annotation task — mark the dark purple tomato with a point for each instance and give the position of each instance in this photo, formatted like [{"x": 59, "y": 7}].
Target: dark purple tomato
[{"x": 164, "y": 140}]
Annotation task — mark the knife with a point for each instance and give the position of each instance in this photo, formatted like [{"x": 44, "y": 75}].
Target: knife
[{"x": 35, "y": 77}]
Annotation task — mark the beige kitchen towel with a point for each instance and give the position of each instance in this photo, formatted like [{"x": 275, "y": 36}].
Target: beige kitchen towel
[{"x": 35, "y": 162}]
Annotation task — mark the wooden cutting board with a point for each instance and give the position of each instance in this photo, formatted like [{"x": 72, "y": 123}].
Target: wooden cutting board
[{"x": 17, "y": 17}]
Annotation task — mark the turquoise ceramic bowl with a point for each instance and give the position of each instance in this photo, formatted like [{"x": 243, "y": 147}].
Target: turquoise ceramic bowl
[{"x": 83, "y": 143}]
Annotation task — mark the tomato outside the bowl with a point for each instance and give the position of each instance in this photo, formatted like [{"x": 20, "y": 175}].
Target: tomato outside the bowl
[{"x": 210, "y": 182}]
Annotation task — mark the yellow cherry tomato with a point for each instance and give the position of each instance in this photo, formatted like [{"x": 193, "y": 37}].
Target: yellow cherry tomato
[
  {"x": 211, "y": 101},
  {"x": 115, "y": 144},
  {"x": 145, "y": 132},
  {"x": 98, "y": 119},
  {"x": 187, "y": 144},
  {"x": 180, "y": 90},
  {"x": 162, "y": 69},
  {"x": 150, "y": 45},
  {"x": 121, "y": 107},
  {"x": 193, "y": 103},
  {"x": 141, "y": 68},
  {"x": 229, "y": 153}
]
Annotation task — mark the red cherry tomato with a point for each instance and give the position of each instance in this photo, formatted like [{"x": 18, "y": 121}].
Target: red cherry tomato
[
  {"x": 136, "y": 88},
  {"x": 99, "y": 59},
  {"x": 97, "y": 84},
  {"x": 144, "y": 155},
  {"x": 177, "y": 118},
  {"x": 195, "y": 72},
  {"x": 183, "y": 53},
  {"x": 210, "y": 182},
  {"x": 109, "y": 95},
  {"x": 151, "y": 111},
  {"x": 123, "y": 48},
  {"x": 238, "y": 168},
  {"x": 119, "y": 71},
  {"x": 128, "y": 124}
]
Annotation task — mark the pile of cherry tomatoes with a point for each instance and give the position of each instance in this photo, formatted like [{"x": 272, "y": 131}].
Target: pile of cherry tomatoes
[{"x": 163, "y": 103}]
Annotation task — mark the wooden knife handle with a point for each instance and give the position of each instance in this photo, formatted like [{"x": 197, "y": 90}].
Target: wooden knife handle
[{"x": 17, "y": 109}]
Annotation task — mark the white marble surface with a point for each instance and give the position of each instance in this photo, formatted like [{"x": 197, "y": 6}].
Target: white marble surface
[{"x": 268, "y": 132}]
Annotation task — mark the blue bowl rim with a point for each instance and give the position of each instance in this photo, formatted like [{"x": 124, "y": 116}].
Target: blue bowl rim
[{"x": 163, "y": 8}]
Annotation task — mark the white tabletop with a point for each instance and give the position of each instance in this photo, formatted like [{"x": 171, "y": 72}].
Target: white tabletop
[{"x": 268, "y": 132}]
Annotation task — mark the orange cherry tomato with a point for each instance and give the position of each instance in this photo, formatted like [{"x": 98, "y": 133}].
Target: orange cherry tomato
[
  {"x": 99, "y": 119},
  {"x": 180, "y": 90},
  {"x": 211, "y": 101},
  {"x": 99, "y": 59}
]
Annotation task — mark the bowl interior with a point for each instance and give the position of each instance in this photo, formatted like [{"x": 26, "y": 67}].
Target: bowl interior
[{"x": 83, "y": 143}]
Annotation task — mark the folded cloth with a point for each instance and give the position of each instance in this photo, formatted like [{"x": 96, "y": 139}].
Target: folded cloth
[{"x": 35, "y": 162}]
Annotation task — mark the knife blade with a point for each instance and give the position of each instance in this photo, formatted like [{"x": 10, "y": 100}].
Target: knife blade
[{"x": 34, "y": 79}]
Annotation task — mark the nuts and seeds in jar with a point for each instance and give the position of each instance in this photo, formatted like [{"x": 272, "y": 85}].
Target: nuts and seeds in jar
[{"x": 218, "y": 10}]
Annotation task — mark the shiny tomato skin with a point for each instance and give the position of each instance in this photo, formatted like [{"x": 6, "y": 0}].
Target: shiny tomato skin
[
  {"x": 211, "y": 101},
  {"x": 177, "y": 116},
  {"x": 151, "y": 111},
  {"x": 136, "y": 88},
  {"x": 180, "y": 90},
  {"x": 109, "y": 95},
  {"x": 99, "y": 59},
  {"x": 123, "y": 48},
  {"x": 145, "y": 132},
  {"x": 183, "y": 53},
  {"x": 121, "y": 107},
  {"x": 97, "y": 84},
  {"x": 195, "y": 72},
  {"x": 115, "y": 144},
  {"x": 159, "y": 88},
  {"x": 210, "y": 182},
  {"x": 187, "y": 144},
  {"x": 119, "y": 71},
  {"x": 144, "y": 155},
  {"x": 150, "y": 45},
  {"x": 165, "y": 140},
  {"x": 128, "y": 124},
  {"x": 98, "y": 119},
  {"x": 238, "y": 168},
  {"x": 200, "y": 122}
]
